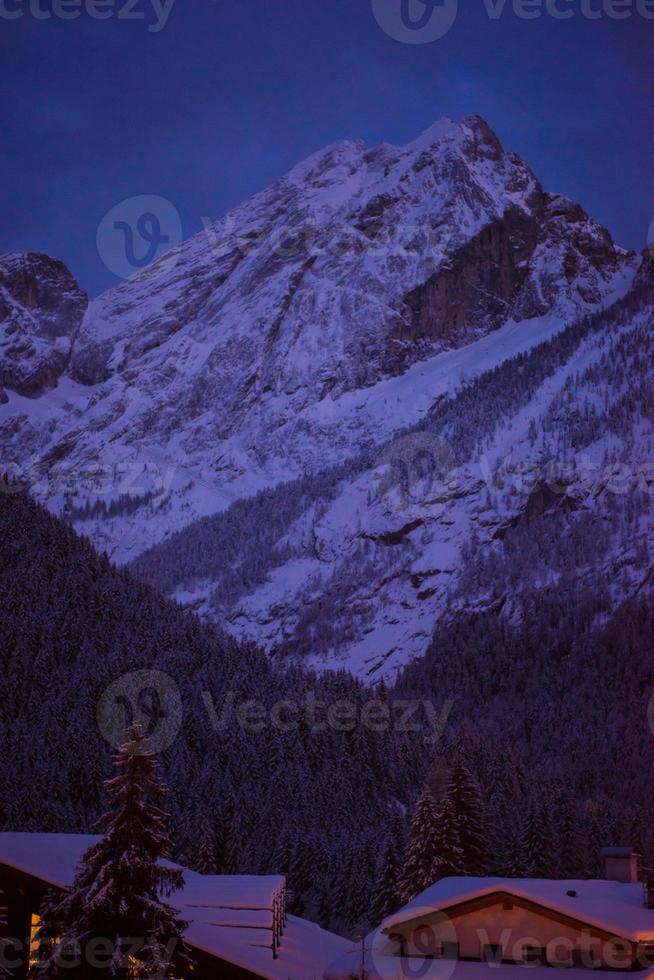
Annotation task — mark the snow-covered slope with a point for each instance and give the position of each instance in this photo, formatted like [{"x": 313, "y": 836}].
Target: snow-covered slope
[
  {"x": 534, "y": 475},
  {"x": 264, "y": 346},
  {"x": 295, "y": 340}
]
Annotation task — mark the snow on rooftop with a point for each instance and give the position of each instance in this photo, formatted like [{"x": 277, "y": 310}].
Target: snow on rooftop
[
  {"x": 230, "y": 916},
  {"x": 304, "y": 953},
  {"x": 610, "y": 905},
  {"x": 231, "y": 891},
  {"x": 50, "y": 857}
]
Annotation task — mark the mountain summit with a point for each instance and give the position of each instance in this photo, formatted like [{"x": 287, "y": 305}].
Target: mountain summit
[{"x": 353, "y": 300}]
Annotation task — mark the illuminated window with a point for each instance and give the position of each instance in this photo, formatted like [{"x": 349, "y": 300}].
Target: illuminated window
[
  {"x": 35, "y": 945},
  {"x": 38, "y": 947}
]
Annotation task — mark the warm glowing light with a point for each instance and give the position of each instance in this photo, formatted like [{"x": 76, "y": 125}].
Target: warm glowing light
[{"x": 35, "y": 945}]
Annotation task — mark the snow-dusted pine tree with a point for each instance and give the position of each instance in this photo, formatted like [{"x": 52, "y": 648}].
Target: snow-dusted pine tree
[
  {"x": 465, "y": 798},
  {"x": 449, "y": 854},
  {"x": 203, "y": 854},
  {"x": 570, "y": 850},
  {"x": 421, "y": 858},
  {"x": 535, "y": 845},
  {"x": 113, "y": 921},
  {"x": 386, "y": 896}
]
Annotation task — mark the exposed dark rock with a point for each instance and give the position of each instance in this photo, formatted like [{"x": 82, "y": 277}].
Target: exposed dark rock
[
  {"x": 41, "y": 309},
  {"x": 476, "y": 287}
]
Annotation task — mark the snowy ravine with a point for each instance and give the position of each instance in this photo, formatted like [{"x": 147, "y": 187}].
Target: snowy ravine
[
  {"x": 362, "y": 298},
  {"x": 537, "y": 475}
]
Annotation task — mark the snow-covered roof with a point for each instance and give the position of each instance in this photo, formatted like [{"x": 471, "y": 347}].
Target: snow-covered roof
[
  {"x": 608, "y": 905},
  {"x": 304, "y": 953},
  {"x": 230, "y": 916},
  {"x": 231, "y": 891},
  {"x": 50, "y": 857}
]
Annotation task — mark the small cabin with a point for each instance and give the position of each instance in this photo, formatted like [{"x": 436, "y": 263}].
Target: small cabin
[
  {"x": 462, "y": 928},
  {"x": 238, "y": 925}
]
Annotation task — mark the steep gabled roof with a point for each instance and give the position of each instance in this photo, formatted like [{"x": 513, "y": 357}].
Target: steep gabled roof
[
  {"x": 607, "y": 905},
  {"x": 230, "y": 916}
]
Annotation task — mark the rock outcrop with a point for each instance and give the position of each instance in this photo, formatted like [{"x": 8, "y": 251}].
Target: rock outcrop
[{"x": 41, "y": 310}]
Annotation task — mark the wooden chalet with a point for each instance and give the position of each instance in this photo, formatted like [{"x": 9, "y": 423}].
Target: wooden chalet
[{"x": 238, "y": 925}]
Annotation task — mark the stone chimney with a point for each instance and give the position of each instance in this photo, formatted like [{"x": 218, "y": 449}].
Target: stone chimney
[{"x": 621, "y": 864}]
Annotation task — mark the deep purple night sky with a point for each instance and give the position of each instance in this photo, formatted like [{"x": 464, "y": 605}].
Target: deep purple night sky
[{"x": 230, "y": 94}]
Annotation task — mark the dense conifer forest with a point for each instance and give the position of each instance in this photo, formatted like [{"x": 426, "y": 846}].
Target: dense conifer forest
[{"x": 534, "y": 752}]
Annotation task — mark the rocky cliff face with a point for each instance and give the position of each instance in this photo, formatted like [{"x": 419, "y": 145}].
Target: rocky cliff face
[
  {"x": 41, "y": 309},
  {"x": 519, "y": 266},
  {"x": 305, "y": 327},
  {"x": 478, "y": 288}
]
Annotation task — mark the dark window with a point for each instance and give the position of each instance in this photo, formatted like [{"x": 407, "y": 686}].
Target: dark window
[
  {"x": 450, "y": 951},
  {"x": 535, "y": 954},
  {"x": 492, "y": 953}
]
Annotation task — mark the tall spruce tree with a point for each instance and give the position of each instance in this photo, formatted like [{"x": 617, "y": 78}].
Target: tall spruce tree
[
  {"x": 569, "y": 851},
  {"x": 421, "y": 858},
  {"x": 465, "y": 798},
  {"x": 113, "y": 921},
  {"x": 203, "y": 856},
  {"x": 535, "y": 845},
  {"x": 501, "y": 831},
  {"x": 449, "y": 854},
  {"x": 386, "y": 889}
]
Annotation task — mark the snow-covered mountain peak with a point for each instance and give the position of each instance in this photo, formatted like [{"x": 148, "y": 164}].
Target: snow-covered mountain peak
[
  {"x": 306, "y": 326},
  {"x": 457, "y": 132},
  {"x": 332, "y": 161}
]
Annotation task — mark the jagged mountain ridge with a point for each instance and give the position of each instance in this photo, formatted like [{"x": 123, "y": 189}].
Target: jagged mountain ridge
[
  {"x": 283, "y": 338},
  {"x": 359, "y": 296}
]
